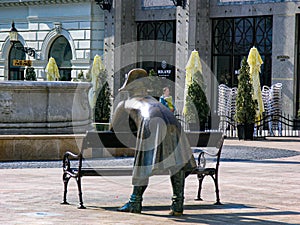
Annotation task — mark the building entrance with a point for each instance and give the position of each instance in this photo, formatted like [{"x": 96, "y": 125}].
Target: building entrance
[
  {"x": 16, "y": 72},
  {"x": 156, "y": 51}
]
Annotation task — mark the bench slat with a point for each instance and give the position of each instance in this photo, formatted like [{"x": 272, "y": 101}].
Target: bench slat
[
  {"x": 107, "y": 171},
  {"x": 112, "y": 171},
  {"x": 109, "y": 139},
  {"x": 204, "y": 139}
]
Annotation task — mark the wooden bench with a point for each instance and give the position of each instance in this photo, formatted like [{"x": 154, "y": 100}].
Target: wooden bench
[{"x": 108, "y": 139}]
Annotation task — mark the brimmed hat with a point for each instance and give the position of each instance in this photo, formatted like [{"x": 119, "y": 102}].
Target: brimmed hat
[{"x": 133, "y": 75}]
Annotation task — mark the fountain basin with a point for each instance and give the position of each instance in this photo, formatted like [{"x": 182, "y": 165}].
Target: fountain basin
[{"x": 42, "y": 107}]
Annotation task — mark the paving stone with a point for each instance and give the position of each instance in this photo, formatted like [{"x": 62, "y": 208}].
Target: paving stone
[{"x": 252, "y": 191}]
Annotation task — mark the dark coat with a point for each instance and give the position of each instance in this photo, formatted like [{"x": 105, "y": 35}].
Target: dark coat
[{"x": 161, "y": 142}]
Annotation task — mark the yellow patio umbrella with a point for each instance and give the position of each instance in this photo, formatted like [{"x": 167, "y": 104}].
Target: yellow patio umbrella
[
  {"x": 193, "y": 65},
  {"x": 95, "y": 71},
  {"x": 52, "y": 70},
  {"x": 254, "y": 60}
]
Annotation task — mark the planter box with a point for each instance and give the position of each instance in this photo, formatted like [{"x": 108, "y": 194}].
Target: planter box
[
  {"x": 102, "y": 126},
  {"x": 296, "y": 125},
  {"x": 245, "y": 131}
]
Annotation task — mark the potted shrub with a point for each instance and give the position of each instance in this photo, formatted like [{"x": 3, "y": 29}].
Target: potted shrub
[
  {"x": 103, "y": 104},
  {"x": 30, "y": 74},
  {"x": 102, "y": 110},
  {"x": 245, "y": 105},
  {"x": 196, "y": 108},
  {"x": 297, "y": 121}
]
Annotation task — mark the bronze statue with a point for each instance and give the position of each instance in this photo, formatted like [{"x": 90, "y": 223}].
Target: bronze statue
[{"x": 161, "y": 142}]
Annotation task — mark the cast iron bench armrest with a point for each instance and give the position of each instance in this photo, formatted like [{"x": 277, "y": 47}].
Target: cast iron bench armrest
[
  {"x": 201, "y": 151},
  {"x": 67, "y": 169},
  {"x": 213, "y": 172}
]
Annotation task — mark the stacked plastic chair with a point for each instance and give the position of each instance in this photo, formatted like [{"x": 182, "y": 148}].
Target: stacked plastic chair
[
  {"x": 265, "y": 92},
  {"x": 272, "y": 99},
  {"x": 275, "y": 107},
  {"x": 226, "y": 106},
  {"x": 233, "y": 103}
]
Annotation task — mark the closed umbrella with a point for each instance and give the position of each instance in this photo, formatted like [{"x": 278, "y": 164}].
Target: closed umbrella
[
  {"x": 96, "y": 69},
  {"x": 254, "y": 60},
  {"x": 52, "y": 70},
  {"x": 192, "y": 67},
  {"x": 95, "y": 72}
]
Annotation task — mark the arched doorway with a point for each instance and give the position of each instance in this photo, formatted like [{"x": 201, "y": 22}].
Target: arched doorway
[
  {"x": 16, "y": 53},
  {"x": 62, "y": 53}
]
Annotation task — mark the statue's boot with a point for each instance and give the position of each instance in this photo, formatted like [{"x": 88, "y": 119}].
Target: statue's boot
[
  {"x": 177, "y": 181},
  {"x": 135, "y": 202}
]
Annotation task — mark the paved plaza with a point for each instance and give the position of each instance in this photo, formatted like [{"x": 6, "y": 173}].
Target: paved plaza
[{"x": 253, "y": 191}]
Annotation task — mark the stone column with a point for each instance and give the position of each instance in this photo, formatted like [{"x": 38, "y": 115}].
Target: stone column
[{"x": 283, "y": 57}]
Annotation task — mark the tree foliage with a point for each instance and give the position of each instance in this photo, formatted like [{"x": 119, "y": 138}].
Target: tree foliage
[
  {"x": 197, "y": 108},
  {"x": 103, "y": 103},
  {"x": 30, "y": 74},
  {"x": 245, "y": 105},
  {"x": 102, "y": 109}
]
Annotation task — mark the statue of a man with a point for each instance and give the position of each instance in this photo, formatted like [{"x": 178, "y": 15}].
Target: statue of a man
[{"x": 161, "y": 142}]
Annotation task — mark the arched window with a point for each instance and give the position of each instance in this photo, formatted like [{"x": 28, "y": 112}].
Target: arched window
[
  {"x": 61, "y": 52},
  {"x": 232, "y": 40},
  {"x": 16, "y": 72}
]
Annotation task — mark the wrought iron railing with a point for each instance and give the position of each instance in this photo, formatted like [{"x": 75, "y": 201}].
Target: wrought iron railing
[{"x": 281, "y": 125}]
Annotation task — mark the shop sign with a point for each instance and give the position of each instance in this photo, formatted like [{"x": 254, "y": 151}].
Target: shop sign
[
  {"x": 148, "y": 4},
  {"x": 18, "y": 62},
  {"x": 283, "y": 57},
  {"x": 164, "y": 71}
]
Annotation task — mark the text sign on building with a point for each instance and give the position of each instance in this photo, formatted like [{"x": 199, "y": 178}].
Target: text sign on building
[
  {"x": 18, "y": 62},
  {"x": 157, "y": 3},
  {"x": 164, "y": 70}
]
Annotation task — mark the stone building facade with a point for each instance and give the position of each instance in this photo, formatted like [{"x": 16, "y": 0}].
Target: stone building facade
[
  {"x": 71, "y": 31},
  {"x": 156, "y": 34},
  {"x": 281, "y": 47}
]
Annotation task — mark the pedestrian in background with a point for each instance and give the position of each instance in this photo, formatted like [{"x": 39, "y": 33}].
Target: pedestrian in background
[{"x": 167, "y": 100}]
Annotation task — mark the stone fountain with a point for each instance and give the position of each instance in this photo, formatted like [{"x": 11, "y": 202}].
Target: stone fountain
[{"x": 37, "y": 114}]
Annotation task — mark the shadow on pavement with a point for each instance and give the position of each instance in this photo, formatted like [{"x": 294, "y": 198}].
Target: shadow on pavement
[
  {"x": 261, "y": 161},
  {"x": 221, "y": 214},
  {"x": 237, "y": 152}
]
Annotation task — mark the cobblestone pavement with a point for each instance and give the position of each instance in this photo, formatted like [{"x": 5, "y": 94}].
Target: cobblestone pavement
[{"x": 259, "y": 184}]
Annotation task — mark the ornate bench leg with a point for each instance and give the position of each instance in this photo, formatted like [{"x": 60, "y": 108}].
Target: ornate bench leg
[
  {"x": 217, "y": 189},
  {"x": 200, "y": 179},
  {"x": 81, "y": 206},
  {"x": 66, "y": 179}
]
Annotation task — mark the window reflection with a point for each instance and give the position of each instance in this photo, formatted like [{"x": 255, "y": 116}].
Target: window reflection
[
  {"x": 232, "y": 40},
  {"x": 62, "y": 53}
]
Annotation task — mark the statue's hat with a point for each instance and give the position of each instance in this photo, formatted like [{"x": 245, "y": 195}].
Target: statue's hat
[{"x": 133, "y": 75}]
